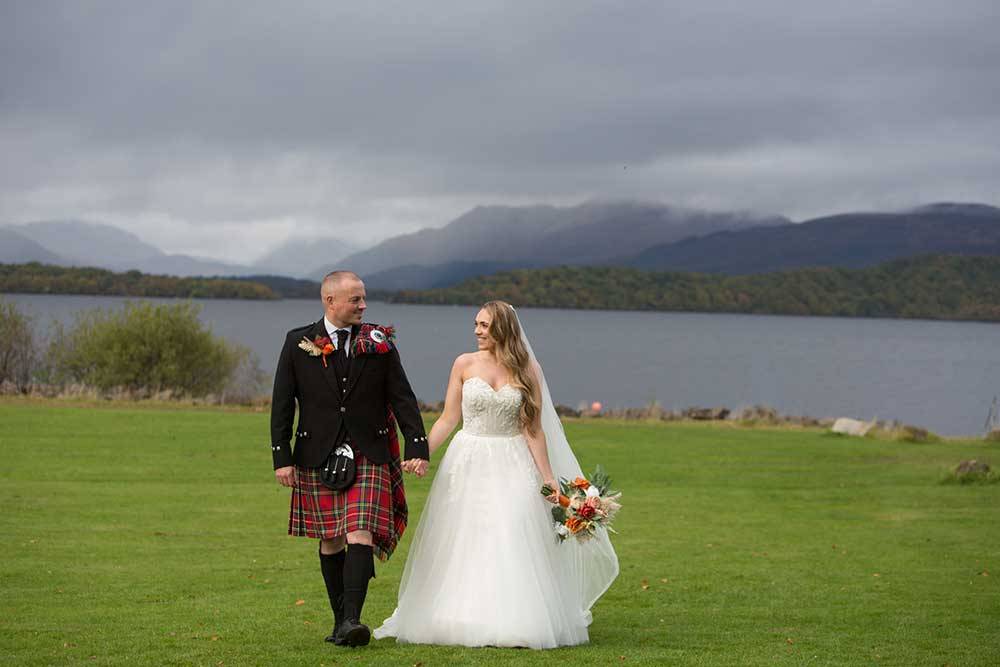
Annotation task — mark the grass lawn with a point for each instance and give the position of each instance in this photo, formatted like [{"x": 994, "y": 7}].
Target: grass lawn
[{"x": 157, "y": 536}]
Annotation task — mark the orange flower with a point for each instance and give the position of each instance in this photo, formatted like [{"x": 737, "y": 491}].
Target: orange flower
[
  {"x": 574, "y": 525},
  {"x": 580, "y": 483},
  {"x": 327, "y": 348},
  {"x": 563, "y": 500}
]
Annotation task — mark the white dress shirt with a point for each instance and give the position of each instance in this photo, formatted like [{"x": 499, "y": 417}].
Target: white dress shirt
[{"x": 331, "y": 331}]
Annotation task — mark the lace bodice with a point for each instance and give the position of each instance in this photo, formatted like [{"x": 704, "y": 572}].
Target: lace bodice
[{"x": 488, "y": 412}]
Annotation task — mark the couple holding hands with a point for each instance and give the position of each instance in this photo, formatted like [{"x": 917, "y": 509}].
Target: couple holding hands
[{"x": 484, "y": 567}]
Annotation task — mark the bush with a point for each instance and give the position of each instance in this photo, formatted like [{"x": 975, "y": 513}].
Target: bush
[
  {"x": 971, "y": 472},
  {"x": 17, "y": 347},
  {"x": 145, "y": 349}
]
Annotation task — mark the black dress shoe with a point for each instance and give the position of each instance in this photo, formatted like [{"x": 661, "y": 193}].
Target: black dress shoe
[
  {"x": 352, "y": 633},
  {"x": 338, "y": 615}
]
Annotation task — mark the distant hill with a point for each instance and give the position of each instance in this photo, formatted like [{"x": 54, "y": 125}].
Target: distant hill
[
  {"x": 440, "y": 275},
  {"x": 186, "y": 265},
  {"x": 93, "y": 244},
  {"x": 306, "y": 258},
  {"x": 285, "y": 288},
  {"x": 933, "y": 287},
  {"x": 848, "y": 240},
  {"x": 503, "y": 236},
  {"x": 35, "y": 278},
  {"x": 83, "y": 243},
  {"x": 16, "y": 248},
  {"x": 90, "y": 244},
  {"x": 509, "y": 231}
]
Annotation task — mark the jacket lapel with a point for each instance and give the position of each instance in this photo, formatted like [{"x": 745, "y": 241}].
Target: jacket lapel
[
  {"x": 329, "y": 372},
  {"x": 357, "y": 362}
]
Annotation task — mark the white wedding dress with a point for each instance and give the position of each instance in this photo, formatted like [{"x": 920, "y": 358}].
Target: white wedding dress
[{"x": 484, "y": 568}]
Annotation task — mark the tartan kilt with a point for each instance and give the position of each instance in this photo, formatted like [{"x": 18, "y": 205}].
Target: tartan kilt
[{"x": 375, "y": 502}]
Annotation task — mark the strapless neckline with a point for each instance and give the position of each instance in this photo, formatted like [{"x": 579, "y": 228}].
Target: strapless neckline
[
  {"x": 488, "y": 411},
  {"x": 495, "y": 391}
]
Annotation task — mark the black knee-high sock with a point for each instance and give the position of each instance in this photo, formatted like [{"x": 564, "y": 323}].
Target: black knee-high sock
[
  {"x": 332, "y": 566},
  {"x": 359, "y": 567}
]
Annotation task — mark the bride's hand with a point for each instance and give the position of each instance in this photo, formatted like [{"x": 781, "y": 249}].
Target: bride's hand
[{"x": 554, "y": 496}]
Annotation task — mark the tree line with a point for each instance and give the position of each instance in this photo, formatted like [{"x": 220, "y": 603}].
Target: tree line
[
  {"x": 928, "y": 287},
  {"x": 35, "y": 278}
]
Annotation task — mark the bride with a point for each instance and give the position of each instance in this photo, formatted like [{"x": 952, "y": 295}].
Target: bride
[{"x": 485, "y": 568}]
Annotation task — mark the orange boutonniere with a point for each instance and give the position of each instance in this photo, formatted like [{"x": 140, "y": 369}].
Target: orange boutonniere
[{"x": 321, "y": 346}]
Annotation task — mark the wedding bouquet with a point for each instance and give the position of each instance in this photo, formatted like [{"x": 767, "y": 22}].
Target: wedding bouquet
[{"x": 584, "y": 506}]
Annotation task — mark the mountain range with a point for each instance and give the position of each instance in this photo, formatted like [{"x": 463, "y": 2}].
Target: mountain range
[
  {"x": 488, "y": 239},
  {"x": 491, "y": 239},
  {"x": 82, "y": 243},
  {"x": 852, "y": 240}
]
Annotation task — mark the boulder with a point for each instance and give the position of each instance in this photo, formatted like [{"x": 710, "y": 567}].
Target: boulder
[
  {"x": 566, "y": 411},
  {"x": 848, "y": 426},
  {"x": 706, "y": 414},
  {"x": 972, "y": 467},
  {"x": 757, "y": 413},
  {"x": 911, "y": 433}
]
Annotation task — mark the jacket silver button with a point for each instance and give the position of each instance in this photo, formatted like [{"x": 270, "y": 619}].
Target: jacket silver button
[{"x": 343, "y": 409}]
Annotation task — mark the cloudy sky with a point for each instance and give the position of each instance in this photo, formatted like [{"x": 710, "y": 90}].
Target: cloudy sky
[{"x": 221, "y": 129}]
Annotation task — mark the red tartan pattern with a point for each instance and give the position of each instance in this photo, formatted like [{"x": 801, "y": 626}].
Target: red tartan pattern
[
  {"x": 376, "y": 502},
  {"x": 363, "y": 343}
]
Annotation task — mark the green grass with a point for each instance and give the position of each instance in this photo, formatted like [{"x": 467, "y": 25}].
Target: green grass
[{"x": 156, "y": 536}]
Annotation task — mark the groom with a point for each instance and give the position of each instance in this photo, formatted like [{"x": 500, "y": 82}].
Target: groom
[{"x": 345, "y": 377}]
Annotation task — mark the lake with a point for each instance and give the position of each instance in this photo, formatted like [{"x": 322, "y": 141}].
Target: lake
[{"x": 940, "y": 375}]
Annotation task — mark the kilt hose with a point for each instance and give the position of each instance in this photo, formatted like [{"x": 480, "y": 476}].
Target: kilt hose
[{"x": 376, "y": 502}]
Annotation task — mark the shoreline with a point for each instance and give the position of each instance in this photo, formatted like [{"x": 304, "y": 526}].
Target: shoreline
[
  {"x": 386, "y": 299},
  {"x": 757, "y": 416}
]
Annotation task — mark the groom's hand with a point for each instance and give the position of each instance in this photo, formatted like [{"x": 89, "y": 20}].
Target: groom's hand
[
  {"x": 285, "y": 476},
  {"x": 417, "y": 466}
]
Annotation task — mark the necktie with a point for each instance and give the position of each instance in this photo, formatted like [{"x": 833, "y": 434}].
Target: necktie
[{"x": 340, "y": 356}]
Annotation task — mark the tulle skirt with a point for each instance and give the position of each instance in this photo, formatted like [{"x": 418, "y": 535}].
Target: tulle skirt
[{"x": 484, "y": 568}]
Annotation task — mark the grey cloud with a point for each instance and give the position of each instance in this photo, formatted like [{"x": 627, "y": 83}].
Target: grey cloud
[{"x": 401, "y": 115}]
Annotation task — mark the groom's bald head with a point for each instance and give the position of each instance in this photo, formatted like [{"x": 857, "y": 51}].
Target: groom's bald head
[
  {"x": 335, "y": 280},
  {"x": 343, "y": 295}
]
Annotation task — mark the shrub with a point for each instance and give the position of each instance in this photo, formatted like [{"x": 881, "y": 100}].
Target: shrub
[
  {"x": 17, "y": 347},
  {"x": 145, "y": 349},
  {"x": 971, "y": 472}
]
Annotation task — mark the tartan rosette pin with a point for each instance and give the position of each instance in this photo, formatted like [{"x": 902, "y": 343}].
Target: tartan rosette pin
[{"x": 374, "y": 339}]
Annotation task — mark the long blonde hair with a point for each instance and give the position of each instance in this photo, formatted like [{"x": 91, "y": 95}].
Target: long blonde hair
[{"x": 512, "y": 354}]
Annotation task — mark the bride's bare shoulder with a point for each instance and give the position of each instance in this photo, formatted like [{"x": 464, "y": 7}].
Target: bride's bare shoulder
[{"x": 464, "y": 361}]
